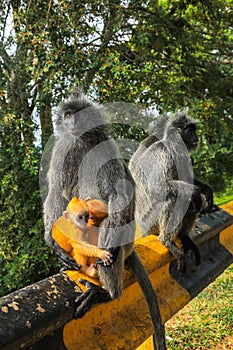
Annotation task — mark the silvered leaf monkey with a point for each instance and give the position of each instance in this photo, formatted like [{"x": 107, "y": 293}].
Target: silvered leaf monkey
[
  {"x": 168, "y": 199},
  {"x": 86, "y": 162}
]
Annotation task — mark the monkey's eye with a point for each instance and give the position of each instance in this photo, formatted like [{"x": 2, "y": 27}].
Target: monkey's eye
[{"x": 68, "y": 115}]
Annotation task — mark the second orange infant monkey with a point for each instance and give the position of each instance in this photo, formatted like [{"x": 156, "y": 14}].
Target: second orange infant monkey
[{"x": 76, "y": 231}]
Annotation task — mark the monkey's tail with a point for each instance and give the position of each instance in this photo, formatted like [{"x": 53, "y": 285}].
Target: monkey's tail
[{"x": 140, "y": 273}]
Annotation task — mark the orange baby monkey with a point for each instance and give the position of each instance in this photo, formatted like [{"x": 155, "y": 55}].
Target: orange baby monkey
[{"x": 76, "y": 231}]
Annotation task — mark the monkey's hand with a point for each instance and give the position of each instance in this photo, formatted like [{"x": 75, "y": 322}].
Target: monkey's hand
[
  {"x": 106, "y": 257},
  {"x": 114, "y": 253},
  {"x": 196, "y": 201},
  {"x": 208, "y": 193}
]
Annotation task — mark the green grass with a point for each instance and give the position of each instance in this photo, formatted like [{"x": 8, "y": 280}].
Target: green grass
[
  {"x": 206, "y": 323},
  {"x": 223, "y": 199}
]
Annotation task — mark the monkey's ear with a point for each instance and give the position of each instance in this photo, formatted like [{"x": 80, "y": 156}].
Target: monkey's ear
[{"x": 66, "y": 214}]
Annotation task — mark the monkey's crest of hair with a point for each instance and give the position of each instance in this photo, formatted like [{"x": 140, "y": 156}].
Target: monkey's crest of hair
[
  {"x": 72, "y": 206},
  {"x": 166, "y": 122},
  {"x": 76, "y": 102},
  {"x": 181, "y": 120},
  {"x": 157, "y": 127}
]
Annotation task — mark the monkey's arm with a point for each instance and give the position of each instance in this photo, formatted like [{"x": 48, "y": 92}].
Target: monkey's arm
[
  {"x": 118, "y": 228},
  {"x": 186, "y": 193},
  {"x": 90, "y": 250},
  {"x": 53, "y": 208},
  {"x": 182, "y": 188}
]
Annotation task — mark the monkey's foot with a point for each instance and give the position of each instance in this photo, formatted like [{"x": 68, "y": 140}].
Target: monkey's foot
[
  {"x": 87, "y": 284},
  {"x": 181, "y": 264},
  {"x": 75, "y": 267},
  {"x": 197, "y": 257},
  {"x": 92, "y": 271},
  {"x": 93, "y": 296},
  {"x": 210, "y": 209},
  {"x": 63, "y": 269},
  {"x": 189, "y": 245},
  {"x": 69, "y": 263},
  {"x": 214, "y": 208}
]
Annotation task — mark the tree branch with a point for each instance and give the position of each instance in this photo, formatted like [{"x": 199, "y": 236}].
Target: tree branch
[{"x": 6, "y": 60}]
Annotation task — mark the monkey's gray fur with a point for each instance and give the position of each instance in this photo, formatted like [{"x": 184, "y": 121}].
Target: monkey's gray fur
[
  {"x": 167, "y": 198},
  {"x": 85, "y": 163}
]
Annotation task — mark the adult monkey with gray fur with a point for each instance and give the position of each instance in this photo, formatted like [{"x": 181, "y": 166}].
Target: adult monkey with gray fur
[
  {"x": 168, "y": 199},
  {"x": 85, "y": 163}
]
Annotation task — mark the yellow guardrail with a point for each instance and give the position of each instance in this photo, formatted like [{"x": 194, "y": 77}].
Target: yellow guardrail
[{"x": 40, "y": 316}]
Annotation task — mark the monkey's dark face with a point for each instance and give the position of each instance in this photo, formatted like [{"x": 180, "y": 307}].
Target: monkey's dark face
[{"x": 189, "y": 136}]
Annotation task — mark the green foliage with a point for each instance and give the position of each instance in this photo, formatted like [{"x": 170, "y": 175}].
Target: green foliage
[
  {"x": 214, "y": 156},
  {"x": 23, "y": 255},
  {"x": 27, "y": 261},
  {"x": 165, "y": 54}
]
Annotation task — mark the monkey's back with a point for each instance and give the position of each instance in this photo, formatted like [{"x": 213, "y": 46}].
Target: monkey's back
[{"x": 153, "y": 169}]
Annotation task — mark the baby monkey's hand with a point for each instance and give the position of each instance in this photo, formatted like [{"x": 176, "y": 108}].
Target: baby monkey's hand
[{"x": 106, "y": 257}]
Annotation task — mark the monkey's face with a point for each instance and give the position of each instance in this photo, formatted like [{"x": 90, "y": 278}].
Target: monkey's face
[
  {"x": 68, "y": 120},
  {"x": 80, "y": 219},
  {"x": 189, "y": 136},
  {"x": 82, "y": 121}
]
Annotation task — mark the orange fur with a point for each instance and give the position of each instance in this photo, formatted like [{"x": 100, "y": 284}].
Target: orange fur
[
  {"x": 77, "y": 206},
  {"x": 98, "y": 211},
  {"x": 82, "y": 244}
]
